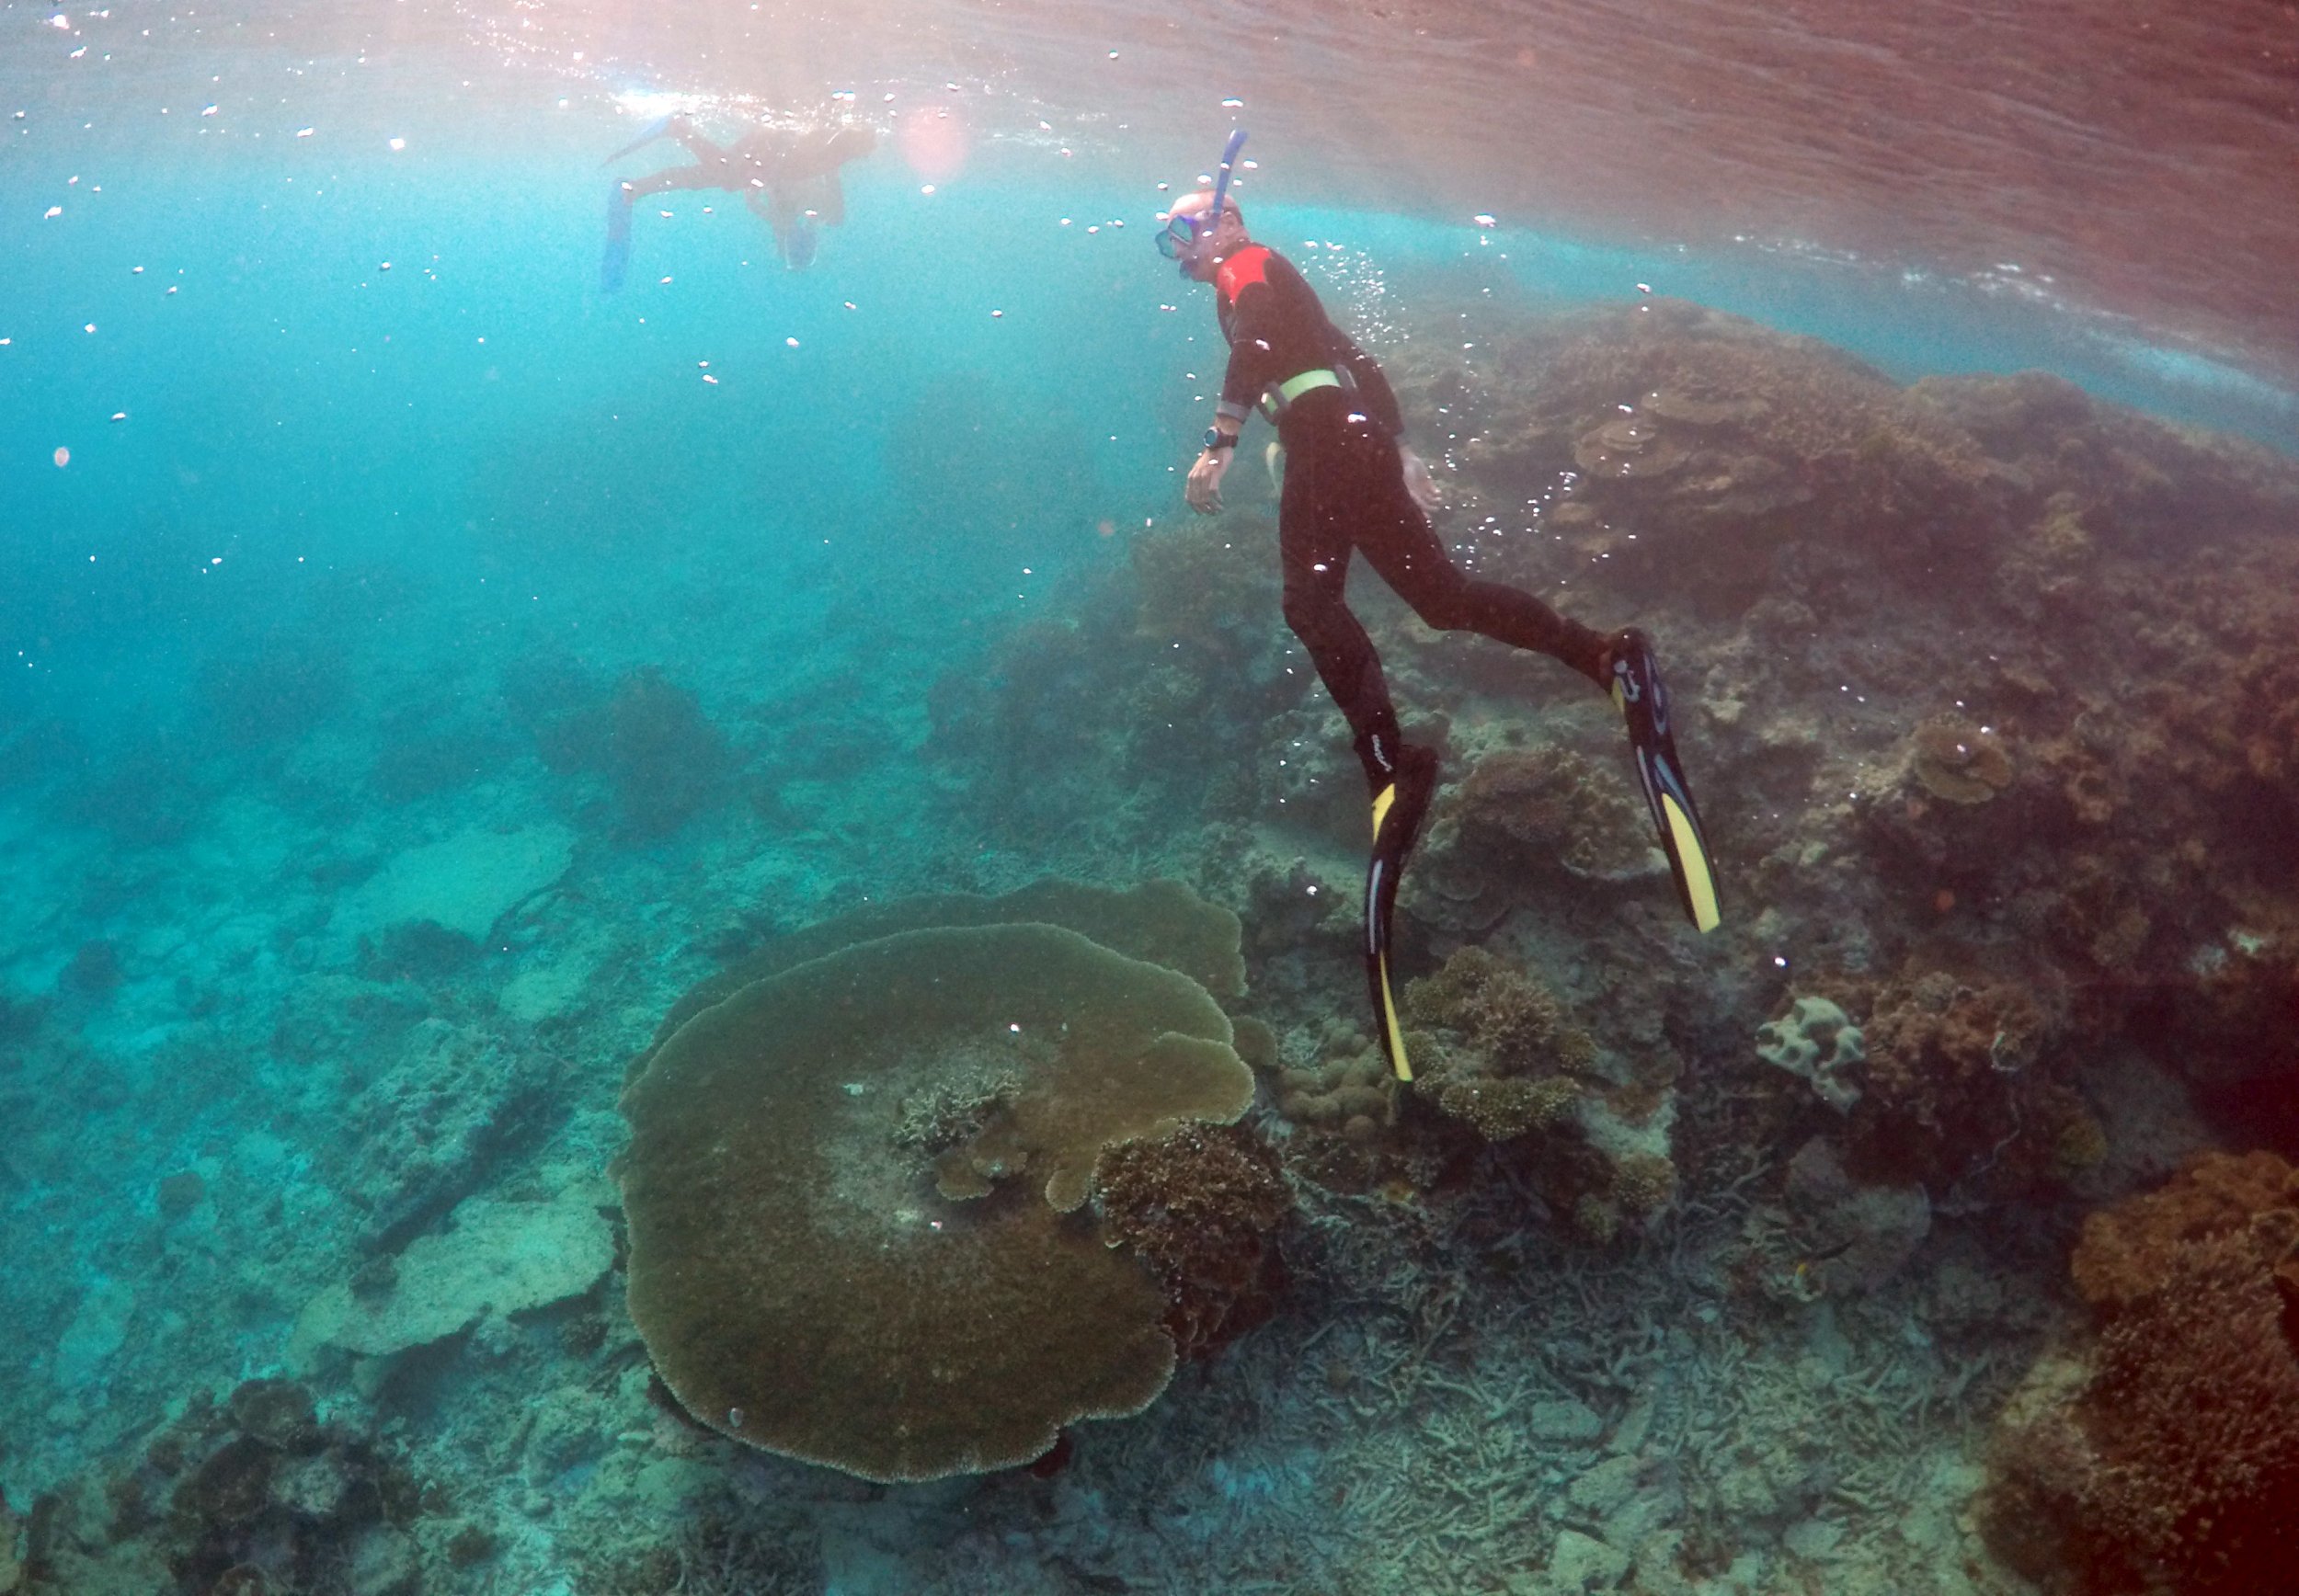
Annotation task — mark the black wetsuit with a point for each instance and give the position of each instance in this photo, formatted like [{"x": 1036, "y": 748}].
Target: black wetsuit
[{"x": 1344, "y": 490}]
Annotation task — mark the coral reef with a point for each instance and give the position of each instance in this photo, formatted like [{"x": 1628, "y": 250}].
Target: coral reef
[
  {"x": 1506, "y": 1060},
  {"x": 2169, "y": 1458},
  {"x": 1957, "y": 1084},
  {"x": 1521, "y": 814},
  {"x": 798, "y": 1264},
  {"x": 1985, "y": 685},
  {"x": 1850, "y": 1235},
  {"x": 1202, "y": 1205},
  {"x": 1703, "y": 443},
  {"x": 1351, "y": 1092},
  {"x": 663, "y": 760},
  {"x": 252, "y": 1495},
  {"x": 1958, "y": 761},
  {"x": 496, "y": 1258},
  {"x": 275, "y": 691},
  {"x": 1818, "y": 1041}
]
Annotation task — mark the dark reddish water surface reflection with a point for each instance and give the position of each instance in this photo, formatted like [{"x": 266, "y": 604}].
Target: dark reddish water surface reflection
[
  {"x": 2146, "y": 155},
  {"x": 2143, "y": 155}
]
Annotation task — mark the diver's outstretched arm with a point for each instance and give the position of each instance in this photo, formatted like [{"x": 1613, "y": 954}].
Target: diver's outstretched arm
[{"x": 675, "y": 178}]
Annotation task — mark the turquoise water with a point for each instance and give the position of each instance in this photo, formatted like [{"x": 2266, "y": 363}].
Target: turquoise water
[
  {"x": 423, "y": 667},
  {"x": 289, "y": 406}
]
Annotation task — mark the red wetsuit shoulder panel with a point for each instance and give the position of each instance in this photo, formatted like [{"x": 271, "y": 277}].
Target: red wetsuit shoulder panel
[{"x": 1241, "y": 270}]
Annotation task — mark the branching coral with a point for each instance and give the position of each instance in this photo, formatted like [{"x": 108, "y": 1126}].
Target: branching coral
[
  {"x": 1504, "y": 1058},
  {"x": 2126, "y": 1248},
  {"x": 1499, "y": 1110},
  {"x": 1513, "y": 1021}
]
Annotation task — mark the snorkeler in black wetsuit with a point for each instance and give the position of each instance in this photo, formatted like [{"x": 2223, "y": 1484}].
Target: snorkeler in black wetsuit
[
  {"x": 787, "y": 176},
  {"x": 1351, "y": 486}
]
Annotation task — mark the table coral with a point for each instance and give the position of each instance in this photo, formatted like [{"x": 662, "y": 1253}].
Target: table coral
[
  {"x": 810, "y": 1281},
  {"x": 1160, "y": 922}
]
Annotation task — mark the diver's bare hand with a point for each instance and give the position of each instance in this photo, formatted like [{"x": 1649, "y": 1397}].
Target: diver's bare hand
[
  {"x": 1418, "y": 482},
  {"x": 1203, "y": 489}
]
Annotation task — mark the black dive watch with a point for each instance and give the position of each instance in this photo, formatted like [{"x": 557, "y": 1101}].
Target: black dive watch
[{"x": 1216, "y": 438}]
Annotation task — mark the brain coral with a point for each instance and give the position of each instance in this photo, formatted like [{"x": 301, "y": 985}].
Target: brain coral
[{"x": 817, "y": 1275}]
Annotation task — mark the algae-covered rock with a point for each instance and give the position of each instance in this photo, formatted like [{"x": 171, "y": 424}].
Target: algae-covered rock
[
  {"x": 464, "y": 883},
  {"x": 433, "y": 1123},
  {"x": 815, "y": 1277},
  {"x": 498, "y": 1258}
]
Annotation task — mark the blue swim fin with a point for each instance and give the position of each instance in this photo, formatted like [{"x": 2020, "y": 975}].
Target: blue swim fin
[
  {"x": 647, "y": 135},
  {"x": 617, "y": 258}
]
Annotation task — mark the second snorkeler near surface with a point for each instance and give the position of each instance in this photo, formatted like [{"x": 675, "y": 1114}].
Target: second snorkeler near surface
[
  {"x": 1351, "y": 486},
  {"x": 788, "y": 177}
]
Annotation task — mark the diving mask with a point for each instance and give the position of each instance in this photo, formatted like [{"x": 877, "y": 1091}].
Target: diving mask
[{"x": 1183, "y": 233}]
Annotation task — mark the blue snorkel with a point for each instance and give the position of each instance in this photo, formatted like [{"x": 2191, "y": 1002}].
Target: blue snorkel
[
  {"x": 1220, "y": 188},
  {"x": 1222, "y": 178}
]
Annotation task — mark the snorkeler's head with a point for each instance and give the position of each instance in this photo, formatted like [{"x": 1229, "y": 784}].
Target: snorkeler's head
[{"x": 1198, "y": 240}]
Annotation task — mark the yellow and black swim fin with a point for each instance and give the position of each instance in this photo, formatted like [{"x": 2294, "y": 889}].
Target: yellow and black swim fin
[
  {"x": 1397, "y": 810},
  {"x": 1643, "y": 701}
]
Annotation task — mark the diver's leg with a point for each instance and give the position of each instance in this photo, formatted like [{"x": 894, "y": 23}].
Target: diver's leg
[
  {"x": 614, "y": 261},
  {"x": 707, "y": 154},
  {"x": 1400, "y": 543},
  {"x": 674, "y": 180},
  {"x": 1406, "y": 552},
  {"x": 1313, "y": 550},
  {"x": 782, "y": 215},
  {"x": 1313, "y": 540}
]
